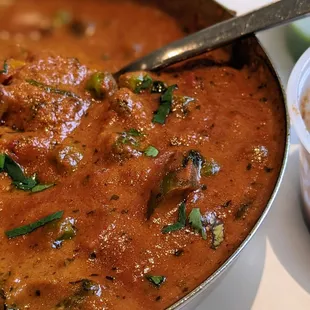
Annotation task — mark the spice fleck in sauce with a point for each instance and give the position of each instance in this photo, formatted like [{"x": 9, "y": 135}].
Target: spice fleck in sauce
[{"x": 123, "y": 194}]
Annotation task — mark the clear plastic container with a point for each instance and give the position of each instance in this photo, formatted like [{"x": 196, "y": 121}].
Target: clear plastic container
[{"x": 298, "y": 97}]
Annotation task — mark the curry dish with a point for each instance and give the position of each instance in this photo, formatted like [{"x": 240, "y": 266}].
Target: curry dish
[{"x": 127, "y": 193}]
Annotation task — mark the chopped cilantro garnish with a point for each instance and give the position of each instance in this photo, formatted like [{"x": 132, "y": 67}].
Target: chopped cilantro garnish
[
  {"x": 41, "y": 187},
  {"x": 165, "y": 105},
  {"x": 143, "y": 83},
  {"x": 5, "y": 68},
  {"x": 2, "y": 161},
  {"x": 181, "y": 220},
  {"x": 156, "y": 280},
  {"x": 23, "y": 230},
  {"x": 15, "y": 172},
  {"x": 151, "y": 151},
  {"x": 51, "y": 89},
  {"x": 195, "y": 220}
]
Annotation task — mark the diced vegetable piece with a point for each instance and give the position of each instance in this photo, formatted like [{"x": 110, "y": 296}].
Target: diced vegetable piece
[
  {"x": 165, "y": 105},
  {"x": 181, "y": 220},
  {"x": 195, "y": 219},
  {"x": 180, "y": 182},
  {"x": 156, "y": 280},
  {"x": 216, "y": 226},
  {"x": 68, "y": 157},
  {"x": 184, "y": 180},
  {"x": 217, "y": 235},
  {"x": 136, "y": 82},
  {"x": 128, "y": 143},
  {"x": 210, "y": 168},
  {"x": 101, "y": 84},
  {"x": 85, "y": 288},
  {"x": 23, "y": 230},
  {"x": 67, "y": 231},
  {"x": 151, "y": 151},
  {"x": 180, "y": 105}
]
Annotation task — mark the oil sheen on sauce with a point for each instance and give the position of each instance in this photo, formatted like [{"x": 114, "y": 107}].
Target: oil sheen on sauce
[{"x": 111, "y": 165}]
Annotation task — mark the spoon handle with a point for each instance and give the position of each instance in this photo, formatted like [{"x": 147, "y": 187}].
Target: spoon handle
[{"x": 221, "y": 34}]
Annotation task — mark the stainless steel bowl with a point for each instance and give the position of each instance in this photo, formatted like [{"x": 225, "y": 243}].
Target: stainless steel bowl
[{"x": 192, "y": 16}]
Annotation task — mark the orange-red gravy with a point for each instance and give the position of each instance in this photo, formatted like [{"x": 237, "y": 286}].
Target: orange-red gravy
[{"x": 236, "y": 119}]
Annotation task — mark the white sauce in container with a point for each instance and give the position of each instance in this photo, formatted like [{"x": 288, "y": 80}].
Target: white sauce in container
[{"x": 298, "y": 96}]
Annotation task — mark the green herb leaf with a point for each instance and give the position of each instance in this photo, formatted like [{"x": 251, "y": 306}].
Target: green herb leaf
[
  {"x": 101, "y": 84},
  {"x": 2, "y": 161},
  {"x": 195, "y": 220},
  {"x": 151, "y": 151},
  {"x": 141, "y": 84},
  {"x": 217, "y": 235},
  {"x": 26, "y": 184},
  {"x": 23, "y": 230},
  {"x": 165, "y": 105},
  {"x": 15, "y": 172},
  {"x": 5, "y": 68},
  {"x": 13, "y": 169},
  {"x": 41, "y": 187},
  {"x": 158, "y": 87},
  {"x": 181, "y": 220},
  {"x": 51, "y": 89},
  {"x": 83, "y": 288},
  {"x": 156, "y": 280}
]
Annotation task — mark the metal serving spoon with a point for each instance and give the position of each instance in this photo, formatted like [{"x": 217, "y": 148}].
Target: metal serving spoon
[{"x": 221, "y": 34}]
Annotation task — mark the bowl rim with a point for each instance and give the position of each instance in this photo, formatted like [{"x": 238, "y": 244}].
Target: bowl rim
[{"x": 220, "y": 271}]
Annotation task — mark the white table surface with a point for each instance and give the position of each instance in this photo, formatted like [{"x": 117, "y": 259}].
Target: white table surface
[{"x": 273, "y": 272}]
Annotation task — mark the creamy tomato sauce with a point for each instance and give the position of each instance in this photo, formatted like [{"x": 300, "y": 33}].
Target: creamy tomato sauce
[{"x": 144, "y": 186}]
